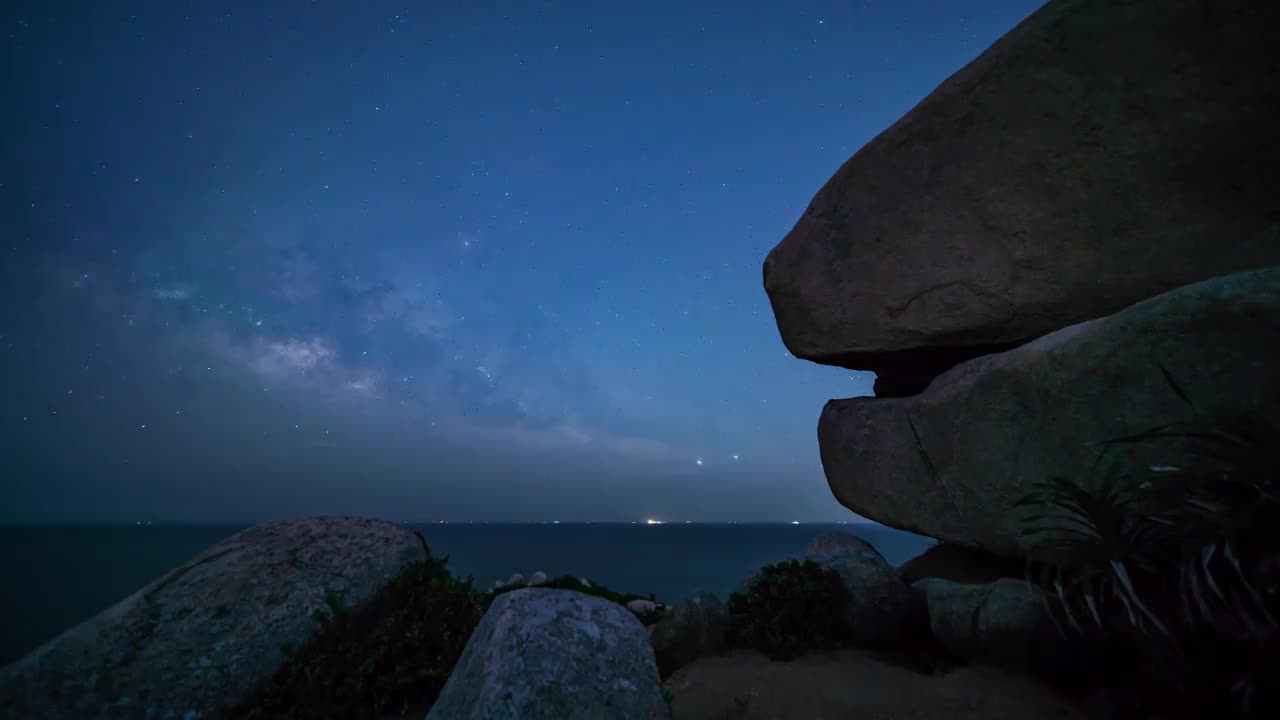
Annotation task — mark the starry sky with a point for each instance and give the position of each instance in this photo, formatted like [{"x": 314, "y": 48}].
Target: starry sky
[{"x": 447, "y": 260}]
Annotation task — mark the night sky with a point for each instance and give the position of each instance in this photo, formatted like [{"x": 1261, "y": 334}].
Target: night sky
[{"x": 434, "y": 260}]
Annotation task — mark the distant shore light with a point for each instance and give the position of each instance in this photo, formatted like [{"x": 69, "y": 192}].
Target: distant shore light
[{"x": 652, "y": 521}]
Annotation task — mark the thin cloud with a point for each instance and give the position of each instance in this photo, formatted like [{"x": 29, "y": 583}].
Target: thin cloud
[
  {"x": 277, "y": 359},
  {"x": 570, "y": 436},
  {"x": 310, "y": 364},
  {"x": 415, "y": 312},
  {"x": 172, "y": 293}
]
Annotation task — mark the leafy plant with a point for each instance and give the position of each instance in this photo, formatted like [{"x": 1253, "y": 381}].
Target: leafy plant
[
  {"x": 1175, "y": 567},
  {"x": 789, "y": 608},
  {"x": 389, "y": 656}
]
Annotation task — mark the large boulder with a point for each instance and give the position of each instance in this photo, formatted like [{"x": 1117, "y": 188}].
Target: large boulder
[
  {"x": 1098, "y": 154},
  {"x": 882, "y": 611},
  {"x": 696, "y": 627},
  {"x": 951, "y": 461},
  {"x": 834, "y": 542},
  {"x": 1005, "y": 621},
  {"x": 551, "y": 654},
  {"x": 196, "y": 641}
]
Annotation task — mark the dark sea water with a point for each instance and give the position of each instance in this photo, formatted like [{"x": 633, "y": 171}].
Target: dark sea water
[{"x": 58, "y": 576}]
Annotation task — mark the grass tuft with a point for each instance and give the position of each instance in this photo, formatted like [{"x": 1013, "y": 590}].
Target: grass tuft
[
  {"x": 789, "y": 608},
  {"x": 1175, "y": 568},
  {"x": 389, "y": 657}
]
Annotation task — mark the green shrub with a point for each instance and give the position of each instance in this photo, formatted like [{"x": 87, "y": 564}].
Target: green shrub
[
  {"x": 390, "y": 656},
  {"x": 1174, "y": 568},
  {"x": 789, "y": 608}
]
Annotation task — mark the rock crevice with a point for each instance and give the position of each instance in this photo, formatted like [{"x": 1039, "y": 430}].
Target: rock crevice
[{"x": 996, "y": 425}]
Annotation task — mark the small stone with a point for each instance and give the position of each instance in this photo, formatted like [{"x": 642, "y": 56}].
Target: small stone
[
  {"x": 515, "y": 579},
  {"x": 538, "y": 578},
  {"x": 642, "y": 607}
]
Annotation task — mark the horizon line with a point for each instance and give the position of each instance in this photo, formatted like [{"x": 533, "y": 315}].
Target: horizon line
[{"x": 230, "y": 523}]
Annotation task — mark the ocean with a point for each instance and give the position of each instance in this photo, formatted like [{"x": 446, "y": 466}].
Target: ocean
[{"x": 58, "y": 576}]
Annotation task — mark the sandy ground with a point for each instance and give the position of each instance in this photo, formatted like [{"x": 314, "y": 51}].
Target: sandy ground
[{"x": 855, "y": 685}]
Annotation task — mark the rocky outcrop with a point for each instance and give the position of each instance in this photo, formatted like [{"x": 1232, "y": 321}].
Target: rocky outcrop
[
  {"x": 196, "y": 641},
  {"x": 1098, "y": 154},
  {"x": 882, "y": 610},
  {"x": 696, "y": 627},
  {"x": 1005, "y": 621},
  {"x": 951, "y": 461},
  {"x": 541, "y": 653}
]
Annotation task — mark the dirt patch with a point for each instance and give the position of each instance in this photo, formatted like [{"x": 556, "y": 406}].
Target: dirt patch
[{"x": 854, "y": 685}]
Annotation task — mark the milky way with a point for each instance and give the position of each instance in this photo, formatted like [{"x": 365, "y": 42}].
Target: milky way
[{"x": 428, "y": 261}]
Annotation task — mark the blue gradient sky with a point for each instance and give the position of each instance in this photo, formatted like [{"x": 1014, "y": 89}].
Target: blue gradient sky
[{"x": 490, "y": 261}]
